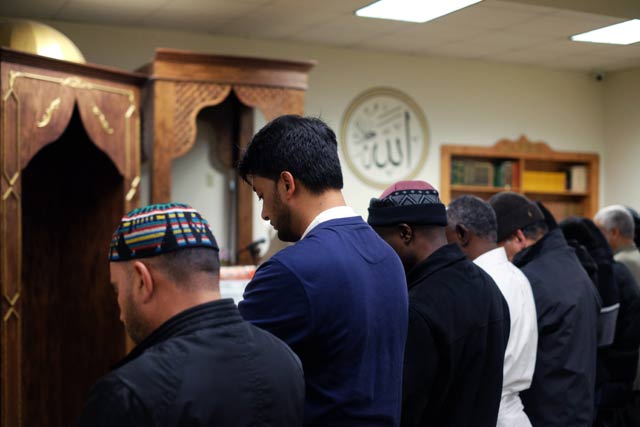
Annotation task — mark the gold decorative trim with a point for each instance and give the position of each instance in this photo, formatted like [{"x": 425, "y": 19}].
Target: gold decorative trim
[
  {"x": 133, "y": 189},
  {"x": 103, "y": 120},
  {"x": 12, "y": 395},
  {"x": 12, "y": 303},
  {"x": 74, "y": 82},
  {"x": 46, "y": 117}
]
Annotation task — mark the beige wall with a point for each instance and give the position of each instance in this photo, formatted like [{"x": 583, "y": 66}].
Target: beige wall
[
  {"x": 621, "y": 153},
  {"x": 465, "y": 101}
]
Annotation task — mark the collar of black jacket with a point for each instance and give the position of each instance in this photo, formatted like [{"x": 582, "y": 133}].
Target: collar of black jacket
[
  {"x": 208, "y": 315},
  {"x": 552, "y": 240},
  {"x": 441, "y": 258}
]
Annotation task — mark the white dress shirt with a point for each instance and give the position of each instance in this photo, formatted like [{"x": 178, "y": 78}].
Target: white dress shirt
[
  {"x": 520, "y": 355},
  {"x": 329, "y": 214}
]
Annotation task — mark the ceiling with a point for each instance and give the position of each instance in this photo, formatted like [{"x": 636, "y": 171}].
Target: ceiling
[{"x": 534, "y": 32}]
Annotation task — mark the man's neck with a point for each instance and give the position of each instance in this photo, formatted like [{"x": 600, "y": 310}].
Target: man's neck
[
  {"x": 480, "y": 247},
  {"x": 311, "y": 205},
  {"x": 623, "y": 244}
]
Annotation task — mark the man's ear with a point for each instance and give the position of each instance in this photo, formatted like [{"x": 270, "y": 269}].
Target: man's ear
[
  {"x": 406, "y": 233},
  {"x": 519, "y": 236},
  {"x": 144, "y": 286},
  {"x": 463, "y": 234},
  {"x": 288, "y": 183}
]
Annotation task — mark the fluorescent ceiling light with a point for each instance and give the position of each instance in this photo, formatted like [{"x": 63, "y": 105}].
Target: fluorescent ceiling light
[
  {"x": 412, "y": 10},
  {"x": 623, "y": 33}
]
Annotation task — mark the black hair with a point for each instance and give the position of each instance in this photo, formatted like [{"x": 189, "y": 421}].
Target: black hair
[
  {"x": 475, "y": 214},
  {"x": 304, "y": 146},
  {"x": 536, "y": 230},
  {"x": 181, "y": 264}
]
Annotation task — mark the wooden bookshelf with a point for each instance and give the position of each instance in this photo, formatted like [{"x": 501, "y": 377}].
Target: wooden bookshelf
[{"x": 538, "y": 161}]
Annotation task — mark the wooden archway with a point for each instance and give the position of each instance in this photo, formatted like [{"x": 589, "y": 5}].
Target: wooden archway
[{"x": 183, "y": 83}]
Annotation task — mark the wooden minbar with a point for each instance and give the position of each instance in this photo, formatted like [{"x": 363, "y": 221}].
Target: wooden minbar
[{"x": 182, "y": 83}]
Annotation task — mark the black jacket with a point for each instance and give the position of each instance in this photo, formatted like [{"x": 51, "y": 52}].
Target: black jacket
[
  {"x": 621, "y": 358},
  {"x": 458, "y": 331},
  {"x": 203, "y": 367},
  {"x": 567, "y": 304}
]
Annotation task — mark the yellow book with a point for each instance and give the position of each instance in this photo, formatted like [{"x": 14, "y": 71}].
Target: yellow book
[{"x": 544, "y": 181}]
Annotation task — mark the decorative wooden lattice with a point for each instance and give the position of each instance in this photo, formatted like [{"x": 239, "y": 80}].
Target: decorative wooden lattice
[{"x": 191, "y": 97}]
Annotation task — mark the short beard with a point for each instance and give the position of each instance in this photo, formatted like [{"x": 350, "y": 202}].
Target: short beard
[
  {"x": 136, "y": 326},
  {"x": 285, "y": 232}
]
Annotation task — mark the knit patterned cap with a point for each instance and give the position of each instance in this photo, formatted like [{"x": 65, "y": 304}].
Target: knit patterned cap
[
  {"x": 411, "y": 202},
  {"x": 158, "y": 229}
]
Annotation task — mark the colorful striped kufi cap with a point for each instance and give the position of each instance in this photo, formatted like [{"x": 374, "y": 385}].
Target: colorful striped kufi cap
[{"x": 158, "y": 229}]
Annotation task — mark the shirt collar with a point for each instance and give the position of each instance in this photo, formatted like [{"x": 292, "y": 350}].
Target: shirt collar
[
  {"x": 329, "y": 214},
  {"x": 630, "y": 248},
  {"x": 492, "y": 257}
]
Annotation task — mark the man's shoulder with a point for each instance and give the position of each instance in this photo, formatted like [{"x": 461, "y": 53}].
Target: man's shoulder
[{"x": 334, "y": 239}]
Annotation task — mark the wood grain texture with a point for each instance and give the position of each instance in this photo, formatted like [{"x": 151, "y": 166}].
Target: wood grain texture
[
  {"x": 273, "y": 102},
  {"x": 58, "y": 327},
  {"x": 189, "y": 66},
  {"x": 191, "y": 98},
  {"x": 71, "y": 330},
  {"x": 530, "y": 156},
  {"x": 182, "y": 83}
]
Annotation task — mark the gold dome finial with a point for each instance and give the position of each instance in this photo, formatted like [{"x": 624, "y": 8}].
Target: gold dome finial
[{"x": 38, "y": 38}]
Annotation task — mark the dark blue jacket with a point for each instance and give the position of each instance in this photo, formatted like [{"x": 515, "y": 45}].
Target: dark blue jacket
[
  {"x": 203, "y": 367},
  {"x": 338, "y": 297},
  {"x": 568, "y": 305}
]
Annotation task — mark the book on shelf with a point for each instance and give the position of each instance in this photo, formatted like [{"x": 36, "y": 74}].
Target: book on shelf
[
  {"x": 506, "y": 174},
  {"x": 502, "y": 174},
  {"x": 544, "y": 181},
  {"x": 577, "y": 178},
  {"x": 472, "y": 172}
]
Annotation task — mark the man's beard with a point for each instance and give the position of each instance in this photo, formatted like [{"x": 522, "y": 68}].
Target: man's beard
[
  {"x": 283, "y": 224},
  {"x": 136, "y": 326}
]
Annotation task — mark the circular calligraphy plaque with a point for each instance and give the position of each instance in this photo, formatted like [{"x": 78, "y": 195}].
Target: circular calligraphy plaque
[{"x": 384, "y": 137}]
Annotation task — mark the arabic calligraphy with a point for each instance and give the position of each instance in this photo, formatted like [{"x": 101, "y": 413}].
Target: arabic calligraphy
[{"x": 383, "y": 139}]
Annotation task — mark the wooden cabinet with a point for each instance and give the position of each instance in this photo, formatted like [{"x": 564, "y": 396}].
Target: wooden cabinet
[
  {"x": 69, "y": 169},
  {"x": 566, "y": 182}
]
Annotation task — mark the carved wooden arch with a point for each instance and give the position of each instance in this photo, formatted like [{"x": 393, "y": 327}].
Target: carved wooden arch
[
  {"x": 183, "y": 83},
  {"x": 38, "y": 97}
]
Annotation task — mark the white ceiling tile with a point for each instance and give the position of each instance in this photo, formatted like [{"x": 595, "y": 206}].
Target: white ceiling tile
[
  {"x": 582, "y": 62},
  {"x": 485, "y": 17},
  {"x": 631, "y": 51},
  {"x": 337, "y": 6},
  {"x": 621, "y": 64},
  {"x": 560, "y": 26},
  {"x": 462, "y": 49},
  {"x": 502, "y": 40},
  {"x": 443, "y": 32},
  {"x": 519, "y": 7},
  {"x": 33, "y": 9},
  {"x": 116, "y": 12},
  {"x": 201, "y": 15},
  {"x": 500, "y": 30},
  {"x": 399, "y": 41}
]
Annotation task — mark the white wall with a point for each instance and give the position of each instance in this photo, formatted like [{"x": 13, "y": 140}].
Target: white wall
[
  {"x": 465, "y": 101},
  {"x": 621, "y": 153}
]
